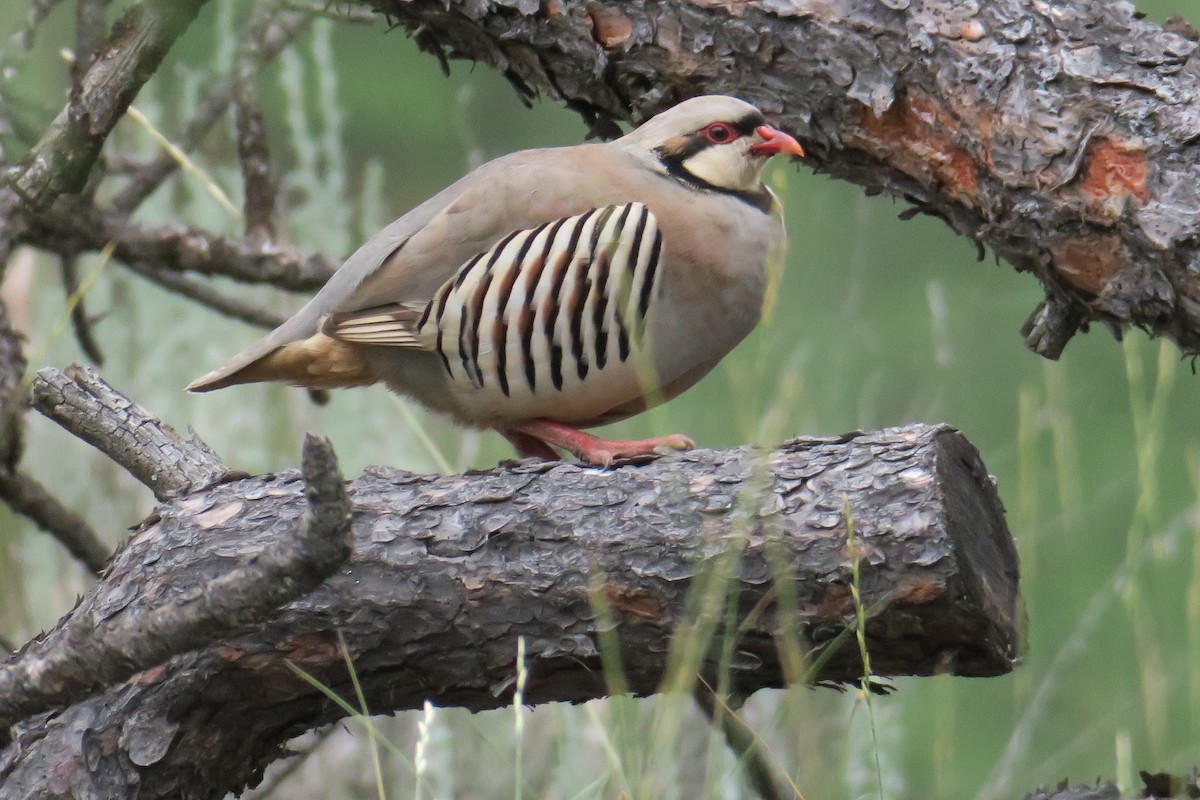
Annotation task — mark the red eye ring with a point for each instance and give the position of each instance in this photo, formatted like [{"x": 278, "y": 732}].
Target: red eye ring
[{"x": 719, "y": 133}]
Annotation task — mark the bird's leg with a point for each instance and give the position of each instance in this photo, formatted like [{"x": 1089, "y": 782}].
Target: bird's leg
[
  {"x": 529, "y": 446},
  {"x": 592, "y": 449}
]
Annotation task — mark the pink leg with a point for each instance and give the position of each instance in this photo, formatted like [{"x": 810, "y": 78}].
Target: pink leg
[
  {"x": 593, "y": 449},
  {"x": 529, "y": 446}
]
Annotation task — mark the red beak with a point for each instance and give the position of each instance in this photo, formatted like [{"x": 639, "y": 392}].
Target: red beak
[{"x": 774, "y": 142}]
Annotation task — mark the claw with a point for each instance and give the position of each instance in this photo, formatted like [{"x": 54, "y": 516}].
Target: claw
[{"x": 592, "y": 449}]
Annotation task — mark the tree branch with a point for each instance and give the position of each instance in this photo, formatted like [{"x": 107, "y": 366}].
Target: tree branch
[
  {"x": 27, "y": 497},
  {"x": 62, "y": 160},
  {"x": 105, "y": 644},
  {"x": 81, "y": 322},
  {"x": 12, "y": 401},
  {"x": 78, "y": 227},
  {"x": 270, "y": 35},
  {"x": 448, "y": 571},
  {"x": 743, "y": 741},
  {"x": 1068, "y": 140},
  {"x": 83, "y": 403},
  {"x": 210, "y": 297},
  {"x": 253, "y": 153}
]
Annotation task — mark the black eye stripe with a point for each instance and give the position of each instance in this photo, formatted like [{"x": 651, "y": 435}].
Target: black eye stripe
[
  {"x": 675, "y": 153},
  {"x": 746, "y": 125}
]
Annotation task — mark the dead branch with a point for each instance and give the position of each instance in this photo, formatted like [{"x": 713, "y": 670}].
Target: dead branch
[
  {"x": 447, "y": 572},
  {"x": 98, "y": 646},
  {"x": 29, "y": 498},
  {"x": 12, "y": 371},
  {"x": 62, "y": 161},
  {"x": 84, "y": 404},
  {"x": 81, "y": 322},
  {"x": 254, "y": 155},
  {"x": 80, "y": 227},
  {"x": 211, "y": 297}
]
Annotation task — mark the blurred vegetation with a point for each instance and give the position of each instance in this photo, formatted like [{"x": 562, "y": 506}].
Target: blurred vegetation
[{"x": 879, "y": 322}]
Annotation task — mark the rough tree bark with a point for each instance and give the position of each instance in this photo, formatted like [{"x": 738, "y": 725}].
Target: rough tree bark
[
  {"x": 447, "y": 572},
  {"x": 1064, "y": 135}
]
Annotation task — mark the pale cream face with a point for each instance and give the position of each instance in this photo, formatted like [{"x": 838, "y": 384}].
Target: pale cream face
[
  {"x": 729, "y": 166},
  {"x": 706, "y": 141}
]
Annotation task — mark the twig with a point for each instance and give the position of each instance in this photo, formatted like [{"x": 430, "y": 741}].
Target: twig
[
  {"x": 275, "y": 34},
  {"x": 81, "y": 323},
  {"x": 83, "y": 403},
  {"x": 12, "y": 394},
  {"x": 352, "y": 14},
  {"x": 62, "y": 160},
  {"x": 29, "y": 498},
  {"x": 253, "y": 152},
  {"x": 743, "y": 741},
  {"x": 11, "y": 226},
  {"x": 92, "y": 651},
  {"x": 259, "y": 187},
  {"x": 82, "y": 228},
  {"x": 208, "y": 296},
  {"x": 276, "y": 777}
]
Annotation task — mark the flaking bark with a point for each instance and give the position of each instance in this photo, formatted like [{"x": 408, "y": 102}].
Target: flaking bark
[
  {"x": 93, "y": 647},
  {"x": 1065, "y": 135},
  {"x": 447, "y": 572}
]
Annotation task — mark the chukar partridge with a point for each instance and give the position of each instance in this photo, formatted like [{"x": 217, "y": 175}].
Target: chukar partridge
[{"x": 557, "y": 289}]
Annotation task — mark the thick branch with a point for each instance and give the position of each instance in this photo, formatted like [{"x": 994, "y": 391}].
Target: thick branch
[
  {"x": 447, "y": 572},
  {"x": 83, "y": 403},
  {"x": 101, "y": 644},
  {"x": 1066, "y": 137}
]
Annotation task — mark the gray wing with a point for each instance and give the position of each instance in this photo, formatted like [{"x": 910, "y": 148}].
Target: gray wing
[
  {"x": 393, "y": 264},
  {"x": 406, "y": 262}
]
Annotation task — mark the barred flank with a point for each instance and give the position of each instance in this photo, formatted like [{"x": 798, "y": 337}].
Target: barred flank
[{"x": 565, "y": 298}]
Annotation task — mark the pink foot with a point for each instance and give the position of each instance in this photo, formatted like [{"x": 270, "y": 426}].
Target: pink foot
[{"x": 592, "y": 449}]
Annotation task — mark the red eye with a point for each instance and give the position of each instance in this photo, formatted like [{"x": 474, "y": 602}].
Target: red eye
[{"x": 719, "y": 133}]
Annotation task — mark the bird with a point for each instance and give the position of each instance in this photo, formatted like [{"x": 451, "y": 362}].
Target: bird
[{"x": 555, "y": 289}]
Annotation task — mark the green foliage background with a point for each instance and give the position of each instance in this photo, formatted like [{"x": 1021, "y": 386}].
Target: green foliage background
[{"x": 879, "y": 322}]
